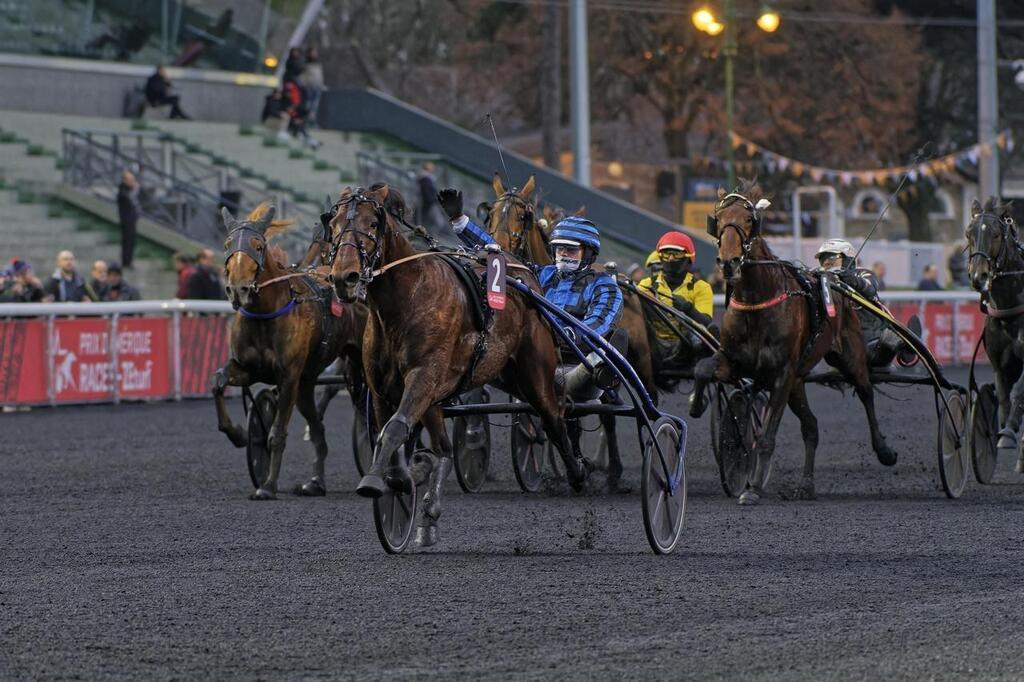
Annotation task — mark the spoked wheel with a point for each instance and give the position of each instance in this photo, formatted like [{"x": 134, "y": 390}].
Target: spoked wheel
[
  {"x": 717, "y": 396},
  {"x": 362, "y": 443},
  {"x": 528, "y": 452},
  {"x": 394, "y": 516},
  {"x": 953, "y": 465},
  {"x": 472, "y": 443},
  {"x": 984, "y": 433},
  {"x": 740, "y": 428},
  {"x": 257, "y": 450},
  {"x": 663, "y": 487}
]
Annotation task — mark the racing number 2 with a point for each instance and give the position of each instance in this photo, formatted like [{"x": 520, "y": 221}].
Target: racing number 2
[{"x": 496, "y": 297}]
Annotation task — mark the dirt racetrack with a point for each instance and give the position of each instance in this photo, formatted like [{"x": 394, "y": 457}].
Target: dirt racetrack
[{"x": 129, "y": 550}]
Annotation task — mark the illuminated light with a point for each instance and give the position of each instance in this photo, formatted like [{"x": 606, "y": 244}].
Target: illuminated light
[
  {"x": 714, "y": 28},
  {"x": 648, "y": 55},
  {"x": 703, "y": 18},
  {"x": 615, "y": 169},
  {"x": 768, "y": 21},
  {"x": 270, "y": 61}
]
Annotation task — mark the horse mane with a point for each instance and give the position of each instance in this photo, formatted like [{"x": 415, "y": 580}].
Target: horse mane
[
  {"x": 395, "y": 202},
  {"x": 751, "y": 190},
  {"x": 275, "y": 229}
]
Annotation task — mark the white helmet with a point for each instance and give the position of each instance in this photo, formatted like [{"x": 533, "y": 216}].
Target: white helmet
[{"x": 838, "y": 246}]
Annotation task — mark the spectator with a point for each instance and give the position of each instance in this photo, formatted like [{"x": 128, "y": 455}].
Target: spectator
[
  {"x": 205, "y": 282},
  {"x": 879, "y": 269},
  {"x": 128, "y": 210},
  {"x": 929, "y": 279},
  {"x": 957, "y": 265},
  {"x": 160, "y": 92},
  {"x": 430, "y": 215},
  {"x": 295, "y": 101},
  {"x": 97, "y": 286},
  {"x": 294, "y": 65},
  {"x": 18, "y": 284},
  {"x": 312, "y": 82},
  {"x": 275, "y": 114},
  {"x": 66, "y": 285},
  {"x": 183, "y": 266},
  {"x": 117, "y": 288}
]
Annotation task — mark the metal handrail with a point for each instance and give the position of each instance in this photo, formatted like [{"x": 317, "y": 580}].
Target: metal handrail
[{"x": 114, "y": 308}]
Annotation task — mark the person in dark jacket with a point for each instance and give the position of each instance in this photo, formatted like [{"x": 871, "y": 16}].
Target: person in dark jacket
[
  {"x": 205, "y": 281},
  {"x": 117, "y": 288},
  {"x": 294, "y": 65},
  {"x": 128, "y": 210},
  {"x": 929, "y": 279},
  {"x": 160, "y": 92},
  {"x": 66, "y": 285},
  {"x": 19, "y": 284}
]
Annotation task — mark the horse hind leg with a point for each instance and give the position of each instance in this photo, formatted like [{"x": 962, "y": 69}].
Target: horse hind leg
[
  {"x": 306, "y": 402},
  {"x": 809, "y": 432},
  {"x": 615, "y": 484},
  {"x": 230, "y": 374},
  {"x": 426, "y": 529},
  {"x": 855, "y": 369}
]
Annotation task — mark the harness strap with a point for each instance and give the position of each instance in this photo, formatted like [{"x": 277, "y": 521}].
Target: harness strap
[
  {"x": 992, "y": 311},
  {"x": 284, "y": 310},
  {"x": 749, "y": 307},
  {"x": 423, "y": 254}
]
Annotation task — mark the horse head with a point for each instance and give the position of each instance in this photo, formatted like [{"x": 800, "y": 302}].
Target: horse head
[
  {"x": 245, "y": 253},
  {"x": 357, "y": 240},
  {"x": 990, "y": 234},
  {"x": 511, "y": 218},
  {"x": 736, "y": 226}
]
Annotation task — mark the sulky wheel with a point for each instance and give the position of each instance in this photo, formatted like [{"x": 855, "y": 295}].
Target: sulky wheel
[
  {"x": 717, "y": 398},
  {"x": 528, "y": 452},
  {"x": 394, "y": 516},
  {"x": 257, "y": 450},
  {"x": 362, "y": 444},
  {"x": 952, "y": 450},
  {"x": 663, "y": 487},
  {"x": 984, "y": 433},
  {"x": 736, "y": 442},
  {"x": 472, "y": 443}
]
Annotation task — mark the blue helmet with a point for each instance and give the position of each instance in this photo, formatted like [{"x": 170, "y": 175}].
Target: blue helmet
[{"x": 575, "y": 230}]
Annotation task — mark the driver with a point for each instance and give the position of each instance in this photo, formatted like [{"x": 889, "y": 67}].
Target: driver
[{"x": 837, "y": 256}]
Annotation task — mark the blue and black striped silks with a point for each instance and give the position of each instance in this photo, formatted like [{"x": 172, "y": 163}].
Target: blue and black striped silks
[
  {"x": 578, "y": 229},
  {"x": 589, "y": 296},
  {"x": 471, "y": 234}
]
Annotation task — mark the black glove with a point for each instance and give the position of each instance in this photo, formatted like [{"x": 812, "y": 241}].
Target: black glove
[
  {"x": 451, "y": 202},
  {"x": 682, "y": 305}
]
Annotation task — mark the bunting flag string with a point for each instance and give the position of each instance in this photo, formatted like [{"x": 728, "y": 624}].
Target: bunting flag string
[{"x": 940, "y": 165}]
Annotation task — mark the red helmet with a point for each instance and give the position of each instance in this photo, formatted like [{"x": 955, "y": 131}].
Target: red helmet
[{"x": 676, "y": 241}]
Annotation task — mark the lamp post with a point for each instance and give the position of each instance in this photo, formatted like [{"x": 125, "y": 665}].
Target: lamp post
[{"x": 704, "y": 19}]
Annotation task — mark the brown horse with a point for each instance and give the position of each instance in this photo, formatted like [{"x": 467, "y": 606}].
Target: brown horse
[
  {"x": 284, "y": 333},
  {"x": 420, "y": 343},
  {"x": 767, "y": 337}
]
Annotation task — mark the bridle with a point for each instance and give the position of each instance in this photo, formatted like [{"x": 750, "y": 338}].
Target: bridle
[
  {"x": 985, "y": 225},
  {"x": 516, "y": 238},
  {"x": 746, "y": 240},
  {"x": 367, "y": 260},
  {"x": 239, "y": 241}
]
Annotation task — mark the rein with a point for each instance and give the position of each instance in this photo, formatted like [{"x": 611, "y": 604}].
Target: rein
[
  {"x": 764, "y": 305},
  {"x": 424, "y": 254}
]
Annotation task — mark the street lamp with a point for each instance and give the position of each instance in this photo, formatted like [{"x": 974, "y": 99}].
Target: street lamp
[{"x": 705, "y": 20}]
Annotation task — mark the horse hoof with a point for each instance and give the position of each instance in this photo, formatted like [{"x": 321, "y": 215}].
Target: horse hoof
[
  {"x": 697, "y": 405},
  {"x": 1006, "y": 442},
  {"x": 371, "y": 486},
  {"x": 887, "y": 456},
  {"x": 261, "y": 495},
  {"x": 431, "y": 506},
  {"x": 313, "y": 489},
  {"x": 749, "y": 498},
  {"x": 806, "y": 490},
  {"x": 426, "y": 536}
]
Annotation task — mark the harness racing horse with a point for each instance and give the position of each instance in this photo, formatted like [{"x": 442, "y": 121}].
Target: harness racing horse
[
  {"x": 511, "y": 223},
  {"x": 767, "y": 337},
  {"x": 995, "y": 266},
  {"x": 421, "y": 348},
  {"x": 284, "y": 333}
]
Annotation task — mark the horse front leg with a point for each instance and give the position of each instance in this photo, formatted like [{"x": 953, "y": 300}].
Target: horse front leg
[
  {"x": 809, "y": 432},
  {"x": 389, "y": 467},
  {"x": 231, "y": 374},
  {"x": 765, "y": 447},
  {"x": 615, "y": 484},
  {"x": 306, "y": 402},
  {"x": 426, "y": 530},
  {"x": 714, "y": 368},
  {"x": 287, "y": 392},
  {"x": 1008, "y": 433}
]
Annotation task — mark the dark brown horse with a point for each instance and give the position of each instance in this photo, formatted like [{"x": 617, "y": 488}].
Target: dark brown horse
[
  {"x": 420, "y": 342},
  {"x": 767, "y": 337},
  {"x": 996, "y": 268},
  {"x": 284, "y": 334}
]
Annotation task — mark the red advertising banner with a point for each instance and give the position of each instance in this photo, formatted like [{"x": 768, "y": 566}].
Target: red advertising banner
[
  {"x": 81, "y": 360},
  {"x": 204, "y": 350},
  {"x": 969, "y": 323},
  {"x": 144, "y": 357},
  {"x": 23, "y": 361}
]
